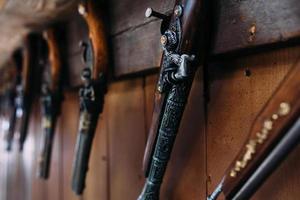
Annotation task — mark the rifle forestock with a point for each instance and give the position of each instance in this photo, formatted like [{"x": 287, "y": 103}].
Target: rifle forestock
[
  {"x": 180, "y": 42},
  {"x": 273, "y": 122}
]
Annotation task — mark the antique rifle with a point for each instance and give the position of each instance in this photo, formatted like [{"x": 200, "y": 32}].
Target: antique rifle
[
  {"x": 50, "y": 100},
  {"x": 91, "y": 94},
  {"x": 17, "y": 58},
  {"x": 274, "y": 133},
  {"x": 182, "y": 43},
  {"x": 25, "y": 89}
]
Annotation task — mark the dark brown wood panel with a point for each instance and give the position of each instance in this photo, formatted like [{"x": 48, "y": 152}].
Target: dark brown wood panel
[
  {"x": 127, "y": 14},
  {"x": 39, "y": 187},
  {"x": 235, "y": 100},
  {"x": 126, "y": 126},
  {"x": 243, "y": 24},
  {"x": 137, "y": 50},
  {"x": 237, "y": 25},
  {"x": 97, "y": 185},
  {"x": 69, "y": 126}
]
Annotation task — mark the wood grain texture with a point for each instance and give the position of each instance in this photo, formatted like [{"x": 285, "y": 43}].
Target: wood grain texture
[
  {"x": 97, "y": 184},
  {"x": 69, "y": 121},
  {"x": 18, "y": 18},
  {"x": 135, "y": 38},
  {"x": 235, "y": 99},
  {"x": 39, "y": 187},
  {"x": 244, "y": 24},
  {"x": 137, "y": 50},
  {"x": 76, "y": 32},
  {"x": 126, "y": 14},
  {"x": 126, "y": 126},
  {"x": 237, "y": 25}
]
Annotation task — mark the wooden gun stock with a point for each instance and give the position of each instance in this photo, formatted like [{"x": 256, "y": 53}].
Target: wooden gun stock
[
  {"x": 274, "y": 121},
  {"x": 51, "y": 101},
  {"x": 93, "y": 13},
  {"x": 92, "y": 92}
]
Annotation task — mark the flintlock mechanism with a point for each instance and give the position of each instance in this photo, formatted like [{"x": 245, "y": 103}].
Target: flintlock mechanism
[{"x": 180, "y": 42}]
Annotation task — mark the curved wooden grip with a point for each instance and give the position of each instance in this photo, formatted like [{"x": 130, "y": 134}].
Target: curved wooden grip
[
  {"x": 54, "y": 57},
  {"x": 92, "y": 11},
  {"x": 27, "y": 64},
  {"x": 277, "y": 116}
]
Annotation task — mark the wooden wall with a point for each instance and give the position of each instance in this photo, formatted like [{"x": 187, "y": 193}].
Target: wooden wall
[
  {"x": 205, "y": 145},
  {"x": 213, "y": 129}
]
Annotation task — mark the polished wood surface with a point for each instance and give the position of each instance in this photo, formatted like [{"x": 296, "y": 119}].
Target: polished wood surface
[
  {"x": 94, "y": 13},
  {"x": 277, "y": 116},
  {"x": 235, "y": 100},
  {"x": 55, "y": 59}
]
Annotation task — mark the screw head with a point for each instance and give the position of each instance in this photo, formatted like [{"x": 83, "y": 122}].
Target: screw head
[
  {"x": 148, "y": 12},
  {"x": 284, "y": 108},
  {"x": 178, "y": 11},
  {"x": 82, "y": 10},
  {"x": 164, "y": 40}
]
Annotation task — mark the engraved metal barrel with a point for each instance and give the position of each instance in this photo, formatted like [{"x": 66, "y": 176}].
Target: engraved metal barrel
[
  {"x": 171, "y": 118},
  {"x": 182, "y": 42}
]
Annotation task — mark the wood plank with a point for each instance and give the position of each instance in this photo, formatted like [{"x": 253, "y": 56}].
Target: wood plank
[
  {"x": 69, "y": 126},
  {"x": 235, "y": 100},
  {"x": 20, "y": 166},
  {"x": 244, "y": 24},
  {"x": 97, "y": 178},
  {"x": 128, "y": 14},
  {"x": 39, "y": 187},
  {"x": 237, "y": 25},
  {"x": 126, "y": 126},
  {"x": 137, "y": 50},
  {"x": 54, "y": 183}
]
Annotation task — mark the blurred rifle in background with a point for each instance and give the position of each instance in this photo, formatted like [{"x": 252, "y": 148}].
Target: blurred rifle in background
[
  {"x": 274, "y": 133},
  {"x": 94, "y": 77},
  {"x": 51, "y": 98}
]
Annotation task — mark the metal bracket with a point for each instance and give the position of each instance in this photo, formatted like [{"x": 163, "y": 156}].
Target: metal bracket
[{"x": 175, "y": 68}]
